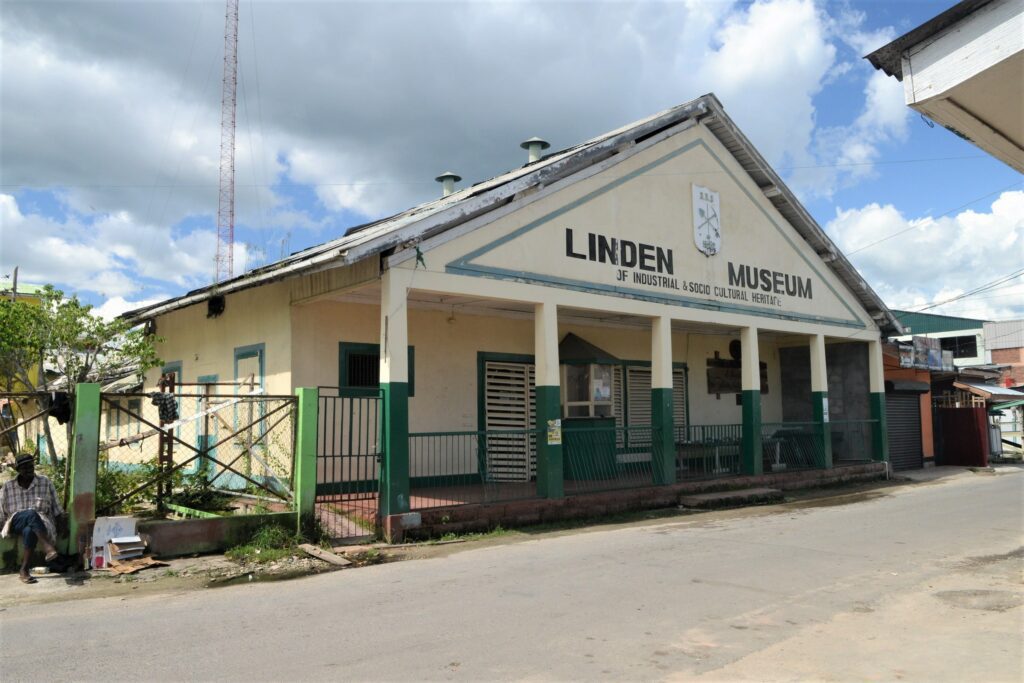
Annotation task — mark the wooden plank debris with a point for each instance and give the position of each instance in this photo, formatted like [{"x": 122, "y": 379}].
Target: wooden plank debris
[{"x": 325, "y": 555}]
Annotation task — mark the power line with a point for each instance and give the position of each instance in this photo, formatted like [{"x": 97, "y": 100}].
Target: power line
[
  {"x": 985, "y": 287},
  {"x": 945, "y": 213}
]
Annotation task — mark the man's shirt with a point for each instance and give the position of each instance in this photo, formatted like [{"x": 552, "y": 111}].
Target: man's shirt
[{"x": 40, "y": 496}]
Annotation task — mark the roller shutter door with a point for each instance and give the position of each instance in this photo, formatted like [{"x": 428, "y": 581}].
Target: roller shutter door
[{"x": 903, "y": 413}]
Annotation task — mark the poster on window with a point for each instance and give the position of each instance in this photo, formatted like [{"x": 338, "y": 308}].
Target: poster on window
[{"x": 927, "y": 353}]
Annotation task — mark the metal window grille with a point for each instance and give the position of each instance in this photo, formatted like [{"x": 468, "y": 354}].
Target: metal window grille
[{"x": 363, "y": 370}]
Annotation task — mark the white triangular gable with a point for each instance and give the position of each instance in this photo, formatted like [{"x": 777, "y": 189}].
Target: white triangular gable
[{"x": 678, "y": 223}]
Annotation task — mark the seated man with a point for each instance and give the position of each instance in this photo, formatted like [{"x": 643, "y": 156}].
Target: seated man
[{"x": 29, "y": 506}]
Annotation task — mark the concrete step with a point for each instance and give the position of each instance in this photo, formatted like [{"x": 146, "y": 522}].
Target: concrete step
[{"x": 728, "y": 499}]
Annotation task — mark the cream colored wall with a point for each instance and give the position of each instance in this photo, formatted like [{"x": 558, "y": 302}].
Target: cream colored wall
[
  {"x": 205, "y": 346},
  {"x": 705, "y": 408},
  {"x": 446, "y": 358}
]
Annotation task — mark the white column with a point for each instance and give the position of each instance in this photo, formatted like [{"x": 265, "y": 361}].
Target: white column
[
  {"x": 819, "y": 373},
  {"x": 394, "y": 326},
  {"x": 545, "y": 344},
  {"x": 876, "y": 369},
  {"x": 750, "y": 370},
  {"x": 661, "y": 353}
]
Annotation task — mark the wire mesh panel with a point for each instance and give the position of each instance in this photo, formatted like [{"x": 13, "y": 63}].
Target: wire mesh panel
[
  {"x": 601, "y": 458},
  {"x": 791, "y": 446},
  {"x": 223, "y": 438},
  {"x": 349, "y": 441},
  {"x": 853, "y": 440},
  {"x": 706, "y": 451}
]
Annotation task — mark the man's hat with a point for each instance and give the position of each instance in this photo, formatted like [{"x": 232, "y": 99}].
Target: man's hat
[{"x": 24, "y": 458}]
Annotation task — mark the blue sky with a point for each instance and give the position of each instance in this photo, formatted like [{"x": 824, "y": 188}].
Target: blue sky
[{"x": 347, "y": 111}]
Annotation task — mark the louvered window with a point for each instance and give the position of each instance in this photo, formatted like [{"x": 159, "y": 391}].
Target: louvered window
[
  {"x": 638, "y": 396},
  {"x": 510, "y": 404}
]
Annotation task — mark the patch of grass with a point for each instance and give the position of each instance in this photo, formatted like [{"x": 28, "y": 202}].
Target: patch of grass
[
  {"x": 368, "y": 556},
  {"x": 473, "y": 535},
  {"x": 268, "y": 544}
]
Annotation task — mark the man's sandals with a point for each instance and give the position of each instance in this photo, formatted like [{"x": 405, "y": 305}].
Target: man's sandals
[{"x": 27, "y": 578}]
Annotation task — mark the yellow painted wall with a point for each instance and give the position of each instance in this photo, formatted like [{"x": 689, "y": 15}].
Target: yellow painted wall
[
  {"x": 205, "y": 346},
  {"x": 446, "y": 358}
]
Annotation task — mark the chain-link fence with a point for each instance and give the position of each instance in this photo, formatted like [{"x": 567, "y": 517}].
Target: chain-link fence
[
  {"x": 38, "y": 423},
  {"x": 176, "y": 446}
]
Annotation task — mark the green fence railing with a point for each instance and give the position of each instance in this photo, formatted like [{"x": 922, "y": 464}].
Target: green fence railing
[
  {"x": 791, "y": 446},
  {"x": 852, "y": 440},
  {"x": 458, "y": 468},
  {"x": 705, "y": 451}
]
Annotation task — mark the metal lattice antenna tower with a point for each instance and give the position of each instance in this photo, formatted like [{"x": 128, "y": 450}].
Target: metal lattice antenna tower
[{"x": 226, "y": 201}]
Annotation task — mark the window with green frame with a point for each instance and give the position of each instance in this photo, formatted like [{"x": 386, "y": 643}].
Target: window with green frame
[{"x": 359, "y": 366}]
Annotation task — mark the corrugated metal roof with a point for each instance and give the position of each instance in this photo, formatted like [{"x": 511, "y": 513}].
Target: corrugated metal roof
[
  {"x": 929, "y": 323},
  {"x": 445, "y": 213}
]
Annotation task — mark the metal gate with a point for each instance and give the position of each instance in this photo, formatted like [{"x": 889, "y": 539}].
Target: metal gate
[
  {"x": 348, "y": 457},
  {"x": 903, "y": 415}
]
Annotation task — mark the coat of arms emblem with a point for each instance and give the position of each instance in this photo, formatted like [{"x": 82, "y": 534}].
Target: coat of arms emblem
[{"x": 707, "y": 228}]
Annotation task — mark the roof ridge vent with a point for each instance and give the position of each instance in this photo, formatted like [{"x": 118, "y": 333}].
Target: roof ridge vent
[
  {"x": 534, "y": 147},
  {"x": 447, "y": 180}
]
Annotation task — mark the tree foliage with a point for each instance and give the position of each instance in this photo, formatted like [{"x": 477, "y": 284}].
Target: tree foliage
[{"x": 63, "y": 335}]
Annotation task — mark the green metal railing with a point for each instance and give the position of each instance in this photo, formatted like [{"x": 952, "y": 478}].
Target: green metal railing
[
  {"x": 852, "y": 440},
  {"x": 705, "y": 451},
  {"x": 606, "y": 458},
  {"x": 459, "y": 468},
  {"x": 792, "y": 446}
]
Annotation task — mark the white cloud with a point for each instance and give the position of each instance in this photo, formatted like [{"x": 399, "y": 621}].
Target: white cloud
[
  {"x": 106, "y": 257},
  {"x": 116, "y": 305},
  {"x": 914, "y": 269},
  {"x": 364, "y": 124}
]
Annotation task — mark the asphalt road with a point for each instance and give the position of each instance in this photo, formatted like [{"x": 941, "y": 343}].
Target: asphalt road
[{"x": 921, "y": 583}]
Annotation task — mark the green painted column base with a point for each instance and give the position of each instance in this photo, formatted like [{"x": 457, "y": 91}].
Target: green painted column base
[
  {"x": 663, "y": 456},
  {"x": 818, "y": 401},
  {"x": 751, "y": 459},
  {"x": 550, "y": 477},
  {"x": 394, "y": 473},
  {"x": 880, "y": 429}
]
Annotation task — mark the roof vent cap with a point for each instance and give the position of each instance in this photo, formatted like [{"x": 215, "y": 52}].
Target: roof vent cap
[
  {"x": 534, "y": 147},
  {"x": 447, "y": 180}
]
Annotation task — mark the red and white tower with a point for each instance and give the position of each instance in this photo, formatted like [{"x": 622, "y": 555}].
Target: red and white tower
[{"x": 226, "y": 201}]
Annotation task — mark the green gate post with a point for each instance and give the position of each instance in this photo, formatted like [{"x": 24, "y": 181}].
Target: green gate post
[
  {"x": 85, "y": 449},
  {"x": 305, "y": 452},
  {"x": 550, "y": 471}
]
